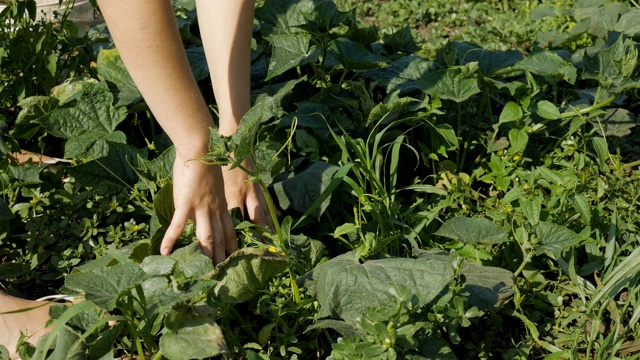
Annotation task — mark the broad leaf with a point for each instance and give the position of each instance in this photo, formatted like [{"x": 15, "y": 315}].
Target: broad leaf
[
  {"x": 511, "y": 112},
  {"x": 547, "y": 110},
  {"x": 548, "y": 64},
  {"x": 192, "y": 333},
  {"x": 629, "y": 23},
  {"x": 163, "y": 205},
  {"x": 488, "y": 61},
  {"x": 111, "y": 68},
  {"x": 245, "y": 273},
  {"x": 353, "y": 56},
  {"x": 612, "y": 66},
  {"x": 389, "y": 111},
  {"x": 33, "y": 109},
  {"x": 401, "y": 41},
  {"x": 616, "y": 122},
  {"x": 488, "y": 287},
  {"x": 289, "y": 51},
  {"x": 105, "y": 285},
  {"x": 300, "y": 190},
  {"x": 89, "y": 124},
  {"x": 198, "y": 63},
  {"x": 603, "y": 16},
  {"x": 324, "y": 17},
  {"x": 553, "y": 239},
  {"x": 284, "y": 17},
  {"x": 457, "y": 83},
  {"x": 472, "y": 230},
  {"x": 309, "y": 115},
  {"x": 346, "y": 288},
  {"x": 403, "y": 74},
  {"x": 116, "y": 167},
  {"x": 191, "y": 262}
]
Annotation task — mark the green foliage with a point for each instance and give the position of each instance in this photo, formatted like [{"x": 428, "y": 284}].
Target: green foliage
[{"x": 479, "y": 203}]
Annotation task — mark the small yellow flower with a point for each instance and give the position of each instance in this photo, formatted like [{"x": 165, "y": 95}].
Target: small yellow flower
[
  {"x": 525, "y": 186},
  {"x": 517, "y": 157},
  {"x": 508, "y": 208},
  {"x": 272, "y": 249},
  {"x": 558, "y": 3},
  {"x": 559, "y": 183},
  {"x": 40, "y": 249},
  {"x": 135, "y": 228}
]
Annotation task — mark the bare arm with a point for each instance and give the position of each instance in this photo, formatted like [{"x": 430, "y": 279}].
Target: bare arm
[{"x": 147, "y": 37}]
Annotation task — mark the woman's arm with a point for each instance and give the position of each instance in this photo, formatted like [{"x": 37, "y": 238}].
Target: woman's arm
[{"x": 146, "y": 34}]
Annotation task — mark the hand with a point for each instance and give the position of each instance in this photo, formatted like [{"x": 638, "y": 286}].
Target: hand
[
  {"x": 240, "y": 193},
  {"x": 198, "y": 194}
]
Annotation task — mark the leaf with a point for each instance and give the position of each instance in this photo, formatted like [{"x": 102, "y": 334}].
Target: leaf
[
  {"x": 582, "y": 205},
  {"x": 163, "y": 205},
  {"x": 156, "y": 265},
  {"x": 510, "y": 112},
  {"x": 629, "y": 23},
  {"x": 401, "y": 41},
  {"x": 602, "y": 149},
  {"x": 289, "y": 51},
  {"x": 353, "y": 56},
  {"x": 324, "y": 17},
  {"x": 488, "y": 287},
  {"x": 152, "y": 171},
  {"x": 344, "y": 229},
  {"x": 284, "y": 17},
  {"x": 553, "y": 239},
  {"x": 457, "y": 83},
  {"x": 603, "y": 17},
  {"x": 105, "y": 285},
  {"x": 89, "y": 124},
  {"x": 5, "y": 212},
  {"x": 309, "y": 115},
  {"x": 245, "y": 273},
  {"x": 342, "y": 327},
  {"x": 33, "y": 109},
  {"x": 531, "y": 209},
  {"x": 117, "y": 167},
  {"x": 547, "y": 110},
  {"x": 192, "y": 262},
  {"x": 191, "y": 333},
  {"x": 403, "y": 74},
  {"x": 518, "y": 139},
  {"x": 198, "y": 62},
  {"x": 616, "y": 122},
  {"x": 393, "y": 109},
  {"x": 27, "y": 174},
  {"x": 488, "y": 61},
  {"x": 612, "y": 66},
  {"x": 448, "y": 134},
  {"x": 271, "y": 100},
  {"x": 472, "y": 230},
  {"x": 434, "y": 347},
  {"x": 111, "y": 69},
  {"x": 548, "y": 64},
  {"x": 301, "y": 189},
  {"x": 346, "y": 288}
]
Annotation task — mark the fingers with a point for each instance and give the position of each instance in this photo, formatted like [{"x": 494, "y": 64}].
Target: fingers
[{"x": 178, "y": 223}]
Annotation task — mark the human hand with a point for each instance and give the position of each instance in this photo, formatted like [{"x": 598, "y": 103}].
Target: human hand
[
  {"x": 240, "y": 193},
  {"x": 198, "y": 194}
]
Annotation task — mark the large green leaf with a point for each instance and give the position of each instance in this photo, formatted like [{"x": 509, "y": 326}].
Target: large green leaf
[
  {"x": 611, "y": 66},
  {"x": 105, "y": 285},
  {"x": 548, "y": 64},
  {"x": 245, "y": 273},
  {"x": 346, "y": 288},
  {"x": 402, "y": 75},
  {"x": 457, "y": 83},
  {"x": 603, "y": 15},
  {"x": 89, "y": 125},
  {"x": 289, "y": 51},
  {"x": 111, "y": 69},
  {"x": 488, "y": 61},
  {"x": 616, "y": 122},
  {"x": 324, "y": 17},
  {"x": 192, "y": 333},
  {"x": 488, "y": 287},
  {"x": 354, "y": 56},
  {"x": 472, "y": 230},
  {"x": 198, "y": 63},
  {"x": 117, "y": 167},
  {"x": 629, "y": 23},
  {"x": 553, "y": 239},
  {"x": 300, "y": 190},
  {"x": 33, "y": 109},
  {"x": 284, "y": 17}
]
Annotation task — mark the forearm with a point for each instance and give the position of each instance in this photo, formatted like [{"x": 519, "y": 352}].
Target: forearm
[
  {"x": 226, "y": 27},
  {"x": 146, "y": 34}
]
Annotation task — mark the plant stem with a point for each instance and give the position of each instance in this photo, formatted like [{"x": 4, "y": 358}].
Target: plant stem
[
  {"x": 525, "y": 261},
  {"x": 157, "y": 356}
]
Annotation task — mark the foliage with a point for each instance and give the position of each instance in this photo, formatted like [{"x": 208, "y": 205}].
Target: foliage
[{"x": 479, "y": 203}]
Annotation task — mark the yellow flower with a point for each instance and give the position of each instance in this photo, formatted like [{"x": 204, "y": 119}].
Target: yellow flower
[
  {"x": 517, "y": 157},
  {"x": 272, "y": 249},
  {"x": 508, "y": 208},
  {"x": 525, "y": 186}
]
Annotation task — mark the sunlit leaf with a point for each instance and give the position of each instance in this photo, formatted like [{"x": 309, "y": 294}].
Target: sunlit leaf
[{"x": 472, "y": 230}]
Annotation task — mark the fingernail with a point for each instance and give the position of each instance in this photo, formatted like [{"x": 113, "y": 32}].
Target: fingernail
[{"x": 164, "y": 251}]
